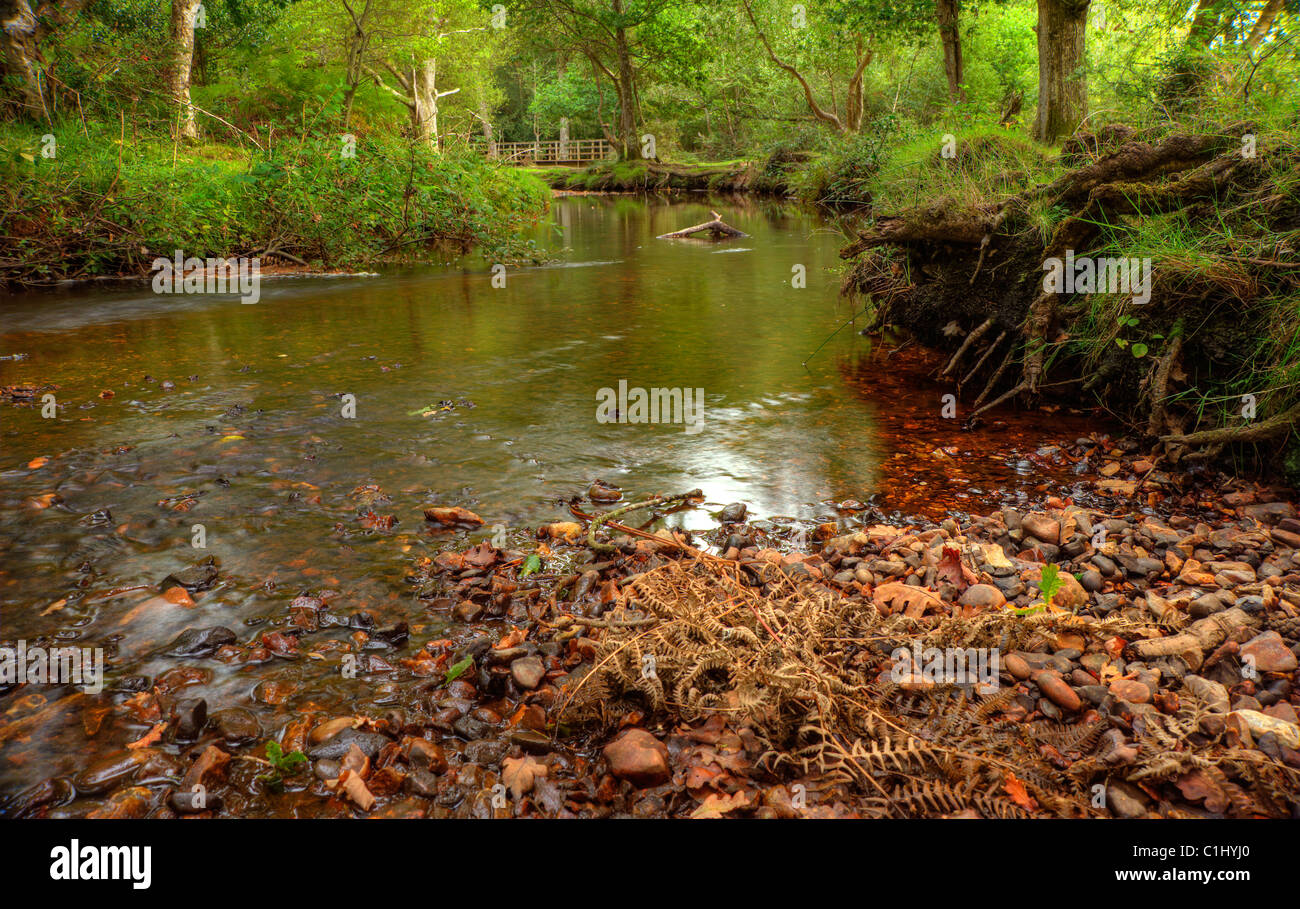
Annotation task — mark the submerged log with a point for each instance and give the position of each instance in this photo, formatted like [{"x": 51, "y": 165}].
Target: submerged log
[{"x": 717, "y": 229}]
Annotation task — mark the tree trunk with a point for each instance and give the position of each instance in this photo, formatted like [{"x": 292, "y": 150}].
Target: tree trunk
[
  {"x": 628, "y": 139},
  {"x": 22, "y": 28},
  {"x": 424, "y": 94},
  {"x": 853, "y": 96},
  {"x": 182, "y": 36},
  {"x": 1263, "y": 23},
  {"x": 357, "y": 43},
  {"x": 1062, "y": 80},
  {"x": 946, "y": 13}
]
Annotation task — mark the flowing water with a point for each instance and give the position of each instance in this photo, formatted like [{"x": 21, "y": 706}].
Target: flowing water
[{"x": 187, "y": 417}]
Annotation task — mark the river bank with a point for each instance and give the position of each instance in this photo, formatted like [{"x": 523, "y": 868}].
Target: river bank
[
  {"x": 333, "y": 599},
  {"x": 592, "y": 669},
  {"x": 88, "y": 202}
]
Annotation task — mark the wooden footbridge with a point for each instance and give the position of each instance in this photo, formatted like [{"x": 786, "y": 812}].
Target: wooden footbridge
[{"x": 562, "y": 151}]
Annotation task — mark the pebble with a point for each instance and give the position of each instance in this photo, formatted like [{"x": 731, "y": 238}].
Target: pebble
[
  {"x": 638, "y": 757},
  {"x": 1270, "y": 653},
  {"x": 200, "y": 642},
  {"x": 982, "y": 596},
  {"x": 338, "y": 745},
  {"x": 1058, "y": 691},
  {"x": 528, "y": 672}
]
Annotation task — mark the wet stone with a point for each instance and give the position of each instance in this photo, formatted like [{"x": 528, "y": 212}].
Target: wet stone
[
  {"x": 194, "y": 579},
  {"x": 189, "y": 717},
  {"x": 338, "y": 745},
  {"x": 733, "y": 513},
  {"x": 236, "y": 725},
  {"x": 485, "y": 751},
  {"x": 528, "y": 672},
  {"x": 200, "y": 642},
  {"x": 638, "y": 757}
]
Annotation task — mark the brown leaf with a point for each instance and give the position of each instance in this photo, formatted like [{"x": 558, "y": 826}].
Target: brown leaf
[
  {"x": 715, "y": 806},
  {"x": 1197, "y": 785},
  {"x": 1016, "y": 790},
  {"x": 356, "y": 790},
  {"x": 953, "y": 570},
  {"x": 520, "y": 774},
  {"x": 912, "y": 601}
]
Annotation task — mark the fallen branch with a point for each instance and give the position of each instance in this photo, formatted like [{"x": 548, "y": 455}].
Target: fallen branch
[{"x": 717, "y": 229}]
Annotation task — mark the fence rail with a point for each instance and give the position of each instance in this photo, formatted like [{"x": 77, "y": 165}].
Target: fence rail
[{"x": 571, "y": 151}]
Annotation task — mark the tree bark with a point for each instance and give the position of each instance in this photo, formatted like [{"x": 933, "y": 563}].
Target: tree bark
[
  {"x": 1062, "y": 80},
  {"x": 22, "y": 28},
  {"x": 182, "y": 36},
  {"x": 357, "y": 44},
  {"x": 1263, "y": 23},
  {"x": 946, "y": 13},
  {"x": 628, "y": 140}
]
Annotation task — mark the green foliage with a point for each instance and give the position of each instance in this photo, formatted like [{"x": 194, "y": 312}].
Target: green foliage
[
  {"x": 1050, "y": 583},
  {"x": 458, "y": 669},
  {"x": 282, "y": 765},
  {"x": 129, "y": 201},
  {"x": 532, "y": 565}
]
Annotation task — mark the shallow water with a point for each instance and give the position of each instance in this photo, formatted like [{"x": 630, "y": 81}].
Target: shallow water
[{"x": 250, "y": 441}]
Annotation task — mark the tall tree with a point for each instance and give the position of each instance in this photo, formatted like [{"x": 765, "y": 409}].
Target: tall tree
[
  {"x": 182, "y": 48},
  {"x": 616, "y": 37},
  {"x": 1267, "y": 16},
  {"x": 1062, "y": 77},
  {"x": 22, "y": 29},
  {"x": 946, "y": 15}
]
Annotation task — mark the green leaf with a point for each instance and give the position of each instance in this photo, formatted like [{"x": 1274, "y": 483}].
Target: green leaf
[
  {"x": 532, "y": 564},
  {"x": 1121, "y": 342},
  {"x": 1050, "y": 582},
  {"x": 458, "y": 669},
  {"x": 1138, "y": 350}
]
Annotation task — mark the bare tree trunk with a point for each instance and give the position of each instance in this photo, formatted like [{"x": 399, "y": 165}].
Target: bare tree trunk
[
  {"x": 419, "y": 92},
  {"x": 22, "y": 28},
  {"x": 357, "y": 43},
  {"x": 424, "y": 112},
  {"x": 853, "y": 96},
  {"x": 946, "y": 13},
  {"x": 1062, "y": 80},
  {"x": 628, "y": 140},
  {"x": 182, "y": 35},
  {"x": 1263, "y": 23}
]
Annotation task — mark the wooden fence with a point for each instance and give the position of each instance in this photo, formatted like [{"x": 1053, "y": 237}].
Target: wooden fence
[{"x": 571, "y": 151}]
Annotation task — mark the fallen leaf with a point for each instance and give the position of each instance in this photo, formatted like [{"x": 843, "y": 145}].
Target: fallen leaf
[
  {"x": 1016, "y": 790},
  {"x": 521, "y": 773},
  {"x": 715, "y": 806},
  {"x": 356, "y": 790}
]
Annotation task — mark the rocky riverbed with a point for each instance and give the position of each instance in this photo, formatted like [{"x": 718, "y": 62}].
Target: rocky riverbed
[{"x": 1153, "y": 676}]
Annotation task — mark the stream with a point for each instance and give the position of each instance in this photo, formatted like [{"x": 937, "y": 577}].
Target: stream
[{"x": 197, "y": 417}]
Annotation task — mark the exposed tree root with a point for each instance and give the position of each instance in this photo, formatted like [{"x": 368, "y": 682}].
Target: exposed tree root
[{"x": 983, "y": 265}]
